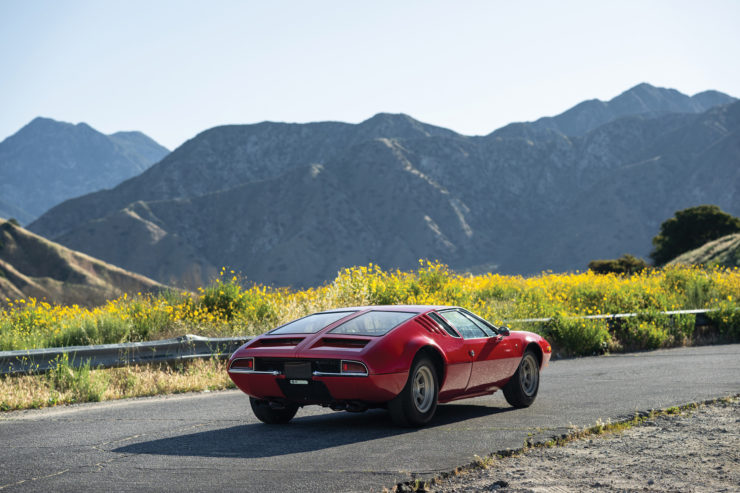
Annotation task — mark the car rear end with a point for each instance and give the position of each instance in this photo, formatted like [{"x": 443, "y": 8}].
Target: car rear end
[{"x": 334, "y": 366}]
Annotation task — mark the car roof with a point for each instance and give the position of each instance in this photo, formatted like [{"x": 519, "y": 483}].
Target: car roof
[{"x": 391, "y": 308}]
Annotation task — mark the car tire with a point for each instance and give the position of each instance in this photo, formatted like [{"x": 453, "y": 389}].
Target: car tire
[
  {"x": 417, "y": 402},
  {"x": 521, "y": 390},
  {"x": 271, "y": 415}
]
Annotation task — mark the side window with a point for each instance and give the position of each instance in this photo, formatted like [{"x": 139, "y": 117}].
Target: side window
[
  {"x": 441, "y": 321},
  {"x": 482, "y": 324},
  {"x": 463, "y": 324}
]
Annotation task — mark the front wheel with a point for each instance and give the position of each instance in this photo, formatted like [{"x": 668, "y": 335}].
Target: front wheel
[
  {"x": 271, "y": 415},
  {"x": 522, "y": 389},
  {"x": 417, "y": 402}
]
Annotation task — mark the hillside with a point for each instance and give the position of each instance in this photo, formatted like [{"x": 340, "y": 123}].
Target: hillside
[
  {"x": 47, "y": 162},
  {"x": 290, "y": 204},
  {"x": 722, "y": 252},
  {"x": 31, "y": 266}
]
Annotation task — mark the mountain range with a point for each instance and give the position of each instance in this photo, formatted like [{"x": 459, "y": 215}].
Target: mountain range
[
  {"x": 290, "y": 204},
  {"x": 47, "y": 162}
]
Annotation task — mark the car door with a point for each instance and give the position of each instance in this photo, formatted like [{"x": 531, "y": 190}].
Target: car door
[
  {"x": 493, "y": 363},
  {"x": 490, "y": 352},
  {"x": 459, "y": 362},
  {"x": 474, "y": 339}
]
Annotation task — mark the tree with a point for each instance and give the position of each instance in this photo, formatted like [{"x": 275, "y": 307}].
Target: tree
[
  {"x": 691, "y": 228},
  {"x": 626, "y": 264}
]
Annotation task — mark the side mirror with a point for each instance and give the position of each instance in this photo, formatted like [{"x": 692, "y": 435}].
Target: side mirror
[{"x": 504, "y": 331}]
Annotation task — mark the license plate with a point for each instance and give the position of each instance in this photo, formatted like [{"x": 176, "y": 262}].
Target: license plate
[
  {"x": 298, "y": 371},
  {"x": 299, "y": 382}
]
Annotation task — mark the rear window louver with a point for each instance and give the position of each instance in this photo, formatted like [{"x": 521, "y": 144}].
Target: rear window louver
[
  {"x": 279, "y": 341},
  {"x": 343, "y": 342},
  {"x": 430, "y": 325}
]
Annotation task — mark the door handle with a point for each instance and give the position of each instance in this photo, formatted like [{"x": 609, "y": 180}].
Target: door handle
[{"x": 472, "y": 353}]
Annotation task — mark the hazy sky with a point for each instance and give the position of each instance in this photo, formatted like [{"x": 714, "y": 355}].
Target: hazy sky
[{"x": 174, "y": 68}]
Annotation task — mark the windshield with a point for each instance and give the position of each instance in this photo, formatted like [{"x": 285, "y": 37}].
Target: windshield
[
  {"x": 310, "y": 324},
  {"x": 374, "y": 323}
]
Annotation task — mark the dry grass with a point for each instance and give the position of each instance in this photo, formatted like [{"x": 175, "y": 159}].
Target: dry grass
[{"x": 66, "y": 385}]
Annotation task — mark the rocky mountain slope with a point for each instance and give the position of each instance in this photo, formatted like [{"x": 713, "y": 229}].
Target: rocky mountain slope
[
  {"x": 292, "y": 204},
  {"x": 31, "y": 266},
  {"x": 47, "y": 162}
]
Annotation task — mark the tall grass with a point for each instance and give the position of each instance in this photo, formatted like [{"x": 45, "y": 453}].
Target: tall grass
[
  {"x": 67, "y": 385},
  {"x": 227, "y": 308}
]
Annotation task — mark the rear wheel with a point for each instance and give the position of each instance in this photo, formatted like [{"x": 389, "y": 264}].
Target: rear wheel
[
  {"x": 417, "y": 402},
  {"x": 270, "y": 414},
  {"x": 523, "y": 386}
]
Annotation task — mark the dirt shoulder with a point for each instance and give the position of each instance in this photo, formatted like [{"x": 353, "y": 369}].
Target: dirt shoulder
[{"x": 695, "y": 450}]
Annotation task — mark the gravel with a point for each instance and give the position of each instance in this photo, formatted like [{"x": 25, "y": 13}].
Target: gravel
[{"x": 697, "y": 450}]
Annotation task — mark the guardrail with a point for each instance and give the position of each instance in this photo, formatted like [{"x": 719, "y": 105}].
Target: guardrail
[
  {"x": 612, "y": 316},
  {"x": 181, "y": 348},
  {"x": 112, "y": 355}
]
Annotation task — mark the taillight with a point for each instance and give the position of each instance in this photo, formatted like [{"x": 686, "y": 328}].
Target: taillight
[
  {"x": 243, "y": 363},
  {"x": 353, "y": 368}
]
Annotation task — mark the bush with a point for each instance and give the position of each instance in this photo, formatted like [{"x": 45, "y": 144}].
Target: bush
[
  {"x": 727, "y": 321},
  {"x": 81, "y": 382},
  {"x": 653, "y": 330},
  {"x": 224, "y": 299},
  {"x": 578, "y": 337},
  {"x": 626, "y": 264}
]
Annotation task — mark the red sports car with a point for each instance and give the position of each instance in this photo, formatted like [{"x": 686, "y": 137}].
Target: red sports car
[{"x": 403, "y": 357}]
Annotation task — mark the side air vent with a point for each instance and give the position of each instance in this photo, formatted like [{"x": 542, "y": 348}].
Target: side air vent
[{"x": 430, "y": 325}]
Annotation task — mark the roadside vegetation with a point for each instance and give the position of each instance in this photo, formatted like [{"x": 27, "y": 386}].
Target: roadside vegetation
[
  {"x": 226, "y": 308},
  {"x": 678, "y": 240},
  {"x": 68, "y": 385},
  {"x": 689, "y": 229}
]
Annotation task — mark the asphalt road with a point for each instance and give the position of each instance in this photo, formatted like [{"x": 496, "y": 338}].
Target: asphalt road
[{"x": 211, "y": 441}]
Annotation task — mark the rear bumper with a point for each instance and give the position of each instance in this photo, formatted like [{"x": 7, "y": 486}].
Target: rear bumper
[{"x": 374, "y": 389}]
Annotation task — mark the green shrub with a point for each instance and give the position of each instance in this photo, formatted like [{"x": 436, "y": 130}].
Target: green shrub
[
  {"x": 224, "y": 299},
  {"x": 694, "y": 286},
  {"x": 653, "y": 330},
  {"x": 626, "y": 264},
  {"x": 84, "y": 385},
  {"x": 578, "y": 337},
  {"x": 727, "y": 320}
]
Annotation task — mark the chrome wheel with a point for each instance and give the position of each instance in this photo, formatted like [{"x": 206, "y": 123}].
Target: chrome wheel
[
  {"x": 416, "y": 403},
  {"x": 529, "y": 374},
  {"x": 423, "y": 389}
]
